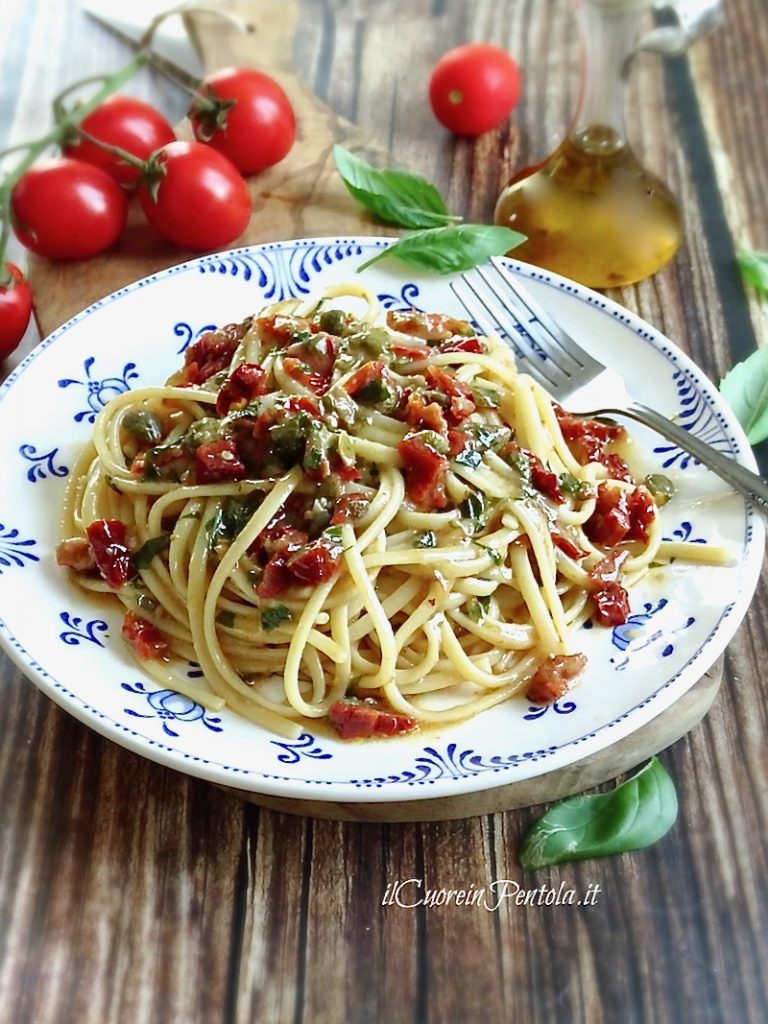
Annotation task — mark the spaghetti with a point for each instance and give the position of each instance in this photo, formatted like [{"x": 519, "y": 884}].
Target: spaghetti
[{"x": 382, "y": 524}]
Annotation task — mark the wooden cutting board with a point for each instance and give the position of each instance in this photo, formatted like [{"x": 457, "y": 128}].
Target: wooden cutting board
[{"x": 302, "y": 197}]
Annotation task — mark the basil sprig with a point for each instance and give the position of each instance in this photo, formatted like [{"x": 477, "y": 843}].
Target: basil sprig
[
  {"x": 745, "y": 386},
  {"x": 409, "y": 201},
  {"x": 745, "y": 389},
  {"x": 405, "y": 200},
  {"x": 452, "y": 249},
  {"x": 754, "y": 270},
  {"x": 634, "y": 815}
]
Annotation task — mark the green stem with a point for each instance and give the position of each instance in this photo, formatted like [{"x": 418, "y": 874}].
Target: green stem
[
  {"x": 58, "y": 101},
  {"x": 13, "y": 149},
  {"x": 69, "y": 121},
  {"x": 124, "y": 155}
]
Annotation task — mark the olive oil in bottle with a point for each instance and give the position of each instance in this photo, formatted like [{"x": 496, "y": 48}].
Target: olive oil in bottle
[{"x": 591, "y": 211}]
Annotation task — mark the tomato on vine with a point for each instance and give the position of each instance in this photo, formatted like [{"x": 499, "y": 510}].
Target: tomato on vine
[
  {"x": 65, "y": 209},
  {"x": 123, "y": 121},
  {"x": 194, "y": 197},
  {"x": 473, "y": 88},
  {"x": 245, "y": 115},
  {"x": 15, "y": 308}
]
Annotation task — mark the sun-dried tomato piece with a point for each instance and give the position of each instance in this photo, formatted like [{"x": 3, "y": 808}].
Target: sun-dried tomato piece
[
  {"x": 352, "y": 505},
  {"x": 212, "y": 353},
  {"x": 567, "y": 546},
  {"x": 315, "y": 562},
  {"x": 620, "y": 515},
  {"x": 609, "y": 523},
  {"x": 246, "y": 382},
  {"x": 425, "y": 473},
  {"x": 554, "y": 677},
  {"x": 217, "y": 461},
  {"x": 429, "y": 326},
  {"x": 460, "y": 344},
  {"x": 280, "y": 329},
  {"x": 75, "y": 553},
  {"x": 109, "y": 542},
  {"x": 611, "y": 605},
  {"x": 425, "y": 414},
  {"x": 362, "y": 719},
  {"x": 147, "y": 640}
]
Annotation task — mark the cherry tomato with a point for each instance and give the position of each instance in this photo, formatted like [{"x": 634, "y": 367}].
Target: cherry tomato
[
  {"x": 15, "y": 310},
  {"x": 126, "y": 122},
  {"x": 474, "y": 88},
  {"x": 200, "y": 201},
  {"x": 257, "y": 131},
  {"x": 67, "y": 210}
]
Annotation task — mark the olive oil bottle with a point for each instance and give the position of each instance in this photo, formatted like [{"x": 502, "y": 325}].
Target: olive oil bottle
[{"x": 591, "y": 211}]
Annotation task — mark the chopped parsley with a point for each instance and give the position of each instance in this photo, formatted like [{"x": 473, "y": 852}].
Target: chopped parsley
[
  {"x": 274, "y": 615},
  {"x": 143, "y": 558},
  {"x": 230, "y": 518},
  {"x": 495, "y": 555},
  {"x": 478, "y": 607},
  {"x": 574, "y": 488},
  {"x": 470, "y": 456},
  {"x": 476, "y": 511},
  {"x": 486, "y": 438}
]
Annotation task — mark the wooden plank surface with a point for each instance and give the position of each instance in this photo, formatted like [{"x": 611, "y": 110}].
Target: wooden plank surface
[{"x": 130, "y": 893}]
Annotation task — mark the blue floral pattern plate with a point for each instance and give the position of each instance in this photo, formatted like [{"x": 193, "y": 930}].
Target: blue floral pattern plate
[{"x": 69, "y": 644}]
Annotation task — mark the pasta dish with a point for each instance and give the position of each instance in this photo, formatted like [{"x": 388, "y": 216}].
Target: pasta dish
[{"x": 377, "y": 522}]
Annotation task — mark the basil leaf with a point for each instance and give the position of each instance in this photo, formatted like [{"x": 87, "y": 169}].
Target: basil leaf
[
  {"x": 426, "y": 539},
  {"x": 630, "y": 817},
  {"x": 451, "y": 249},
  {"x": 396, "y": 197},
  {"x": 754, "y": 270},
  {"x": 226, "y": 618},
  {"x": 146, "y": 553},
  {"x": 745, "y": 389}
]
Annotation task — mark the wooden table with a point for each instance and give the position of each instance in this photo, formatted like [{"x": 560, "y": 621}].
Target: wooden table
[{"x": 130, "y": 893}]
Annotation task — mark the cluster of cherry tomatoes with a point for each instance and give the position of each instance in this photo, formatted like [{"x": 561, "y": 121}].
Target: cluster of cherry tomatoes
[{"x": 193, "y": 194}]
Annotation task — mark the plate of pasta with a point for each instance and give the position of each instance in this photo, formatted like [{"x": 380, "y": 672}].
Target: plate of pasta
[{"x": 301, "y": 529}]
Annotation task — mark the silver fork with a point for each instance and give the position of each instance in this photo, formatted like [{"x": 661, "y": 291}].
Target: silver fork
[{"x": 500, "y": 305}]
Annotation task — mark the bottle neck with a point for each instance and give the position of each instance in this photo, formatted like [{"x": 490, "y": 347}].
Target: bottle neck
[{"x": 609, "y": 33}]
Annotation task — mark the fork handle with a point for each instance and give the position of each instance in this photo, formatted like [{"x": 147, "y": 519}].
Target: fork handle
[{"x": 739, "y": 477}]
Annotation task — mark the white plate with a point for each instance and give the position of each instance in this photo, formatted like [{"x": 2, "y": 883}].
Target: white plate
[{"x": 70, "y": 646}]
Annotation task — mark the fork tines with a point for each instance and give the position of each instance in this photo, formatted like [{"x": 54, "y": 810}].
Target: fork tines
[{"x": 500, "y": 305}]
